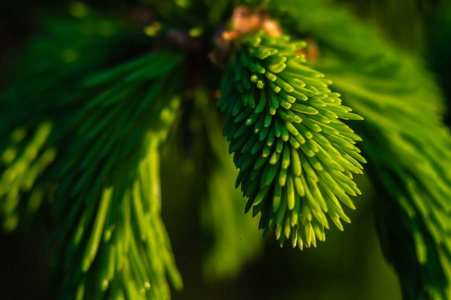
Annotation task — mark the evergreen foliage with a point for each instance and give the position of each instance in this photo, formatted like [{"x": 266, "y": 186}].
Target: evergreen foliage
[
  {"x": 96, "y": 97},
  {"x": 115, "y": 189},
  {"x": 54, "y": 60},
  {"x": 406, "y": 144},
  {"x": 294, "y": 154},
  {"x": 105, "y": 202}
]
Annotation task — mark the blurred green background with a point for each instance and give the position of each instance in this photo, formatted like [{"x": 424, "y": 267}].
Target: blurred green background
[{"x": 350, "y": 265}]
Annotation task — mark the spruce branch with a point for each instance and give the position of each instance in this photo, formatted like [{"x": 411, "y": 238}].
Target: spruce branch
[
  {"x": 110, "y": 174},
  {"x": 295, "y": 156},
  {"x": 35, "y": 130},
  {"x": 408, "y": 147},
  {"x": 128, "y": 254},
  {"x": 405, "y": 141},
  {"x": 108, "y": 238}
]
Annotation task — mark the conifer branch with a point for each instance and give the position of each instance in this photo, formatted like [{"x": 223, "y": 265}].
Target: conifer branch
[
  {"x": 408, "y": 147},
  {"x": 110, "y": 174},
  {"x": 295, "y": 156},
  {"x": 405, "y": 141},
  {"x": 109, "y": 240},
  {"x": 36, "y": 129}
]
